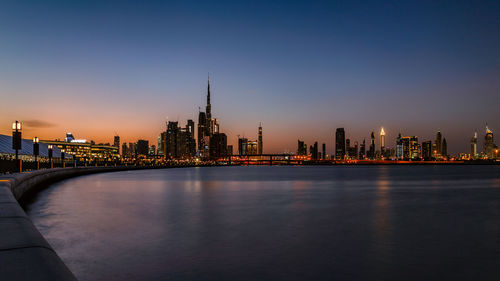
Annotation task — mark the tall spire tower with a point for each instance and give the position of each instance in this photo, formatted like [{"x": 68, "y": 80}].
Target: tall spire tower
[{"x": 209, "y": 106}]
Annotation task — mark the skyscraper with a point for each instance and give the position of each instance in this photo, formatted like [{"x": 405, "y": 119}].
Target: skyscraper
[
  {"x": 382, "y": 141},
  {"x": 324, "y": 151},
  {"x": 260, "y": 146},
  {"x": 206, "y": 127},
  {"x": 371, "y": 152},
  {"x": 301, "y": 148},
  {"x": 340, "y": 144},
  {"x": 142, "y": 147},
  {"x": 439, "y": 144},
  {"x": 399, "y": 147},
  {"x": 444, "y": 149},
  {"x": 362, "y": 150},
  {"x": 427, "y": 150},
  {"x": 124, "y": 150},
  {"x": 116, "y": 142},
  {"x": 489, "y": 144},
  {"x": 473, "y": 146},
  {"x": 242, "y": 146}
]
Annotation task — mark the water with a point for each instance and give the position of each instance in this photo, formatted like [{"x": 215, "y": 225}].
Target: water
[{"x": 277, "y": 223}]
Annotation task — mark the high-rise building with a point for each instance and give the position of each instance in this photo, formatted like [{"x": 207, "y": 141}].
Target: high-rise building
[
  {"x": 142, "y": 147},
  {"x": 340, "y": 144},
  {"x": 159, "y": 147},
  {"x": 206, "y": 127},
  {"x": 179, "y": 142},
  {"x": 230, "y": 150},
  {"x": 218, "y": 145},
  {"x": 252, "y": 147},
  {"x": 260, "y": 145},
  {"x": 116, "y": 143},
  {"x": 473, "y": 147},
  {"x": 362, "y": 150},
  {"x": 124, "y": 150},
  {"x": 171, "y": 140},
  {"x": 242, "y": 146},
  {"x": 371, "y": 152},
  {"x": 427, "y": 150},
  {"x": 439, "y": 145},
  {"x": 411, "y": 148},
  {"x": 131, "y": 149},
  {"x": 301, "y": 148},
  {"x": 489, "y": 144},
  {"x": 152, "y": 149},
  {"x": 324, "y": 151},
  {"x": 314, "y": 151},
  {"x": 444, "y": 149},
  {"x": 399, "y": 147},
  {"x": 382, "y": 141},
  {"x": 202, "y": 135}
]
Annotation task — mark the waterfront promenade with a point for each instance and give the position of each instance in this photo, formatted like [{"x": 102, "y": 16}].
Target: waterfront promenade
[{"x": 24, "y": 252}]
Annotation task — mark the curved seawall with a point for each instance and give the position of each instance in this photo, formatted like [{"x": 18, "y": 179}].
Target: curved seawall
[{"x": 24, "y": 253}]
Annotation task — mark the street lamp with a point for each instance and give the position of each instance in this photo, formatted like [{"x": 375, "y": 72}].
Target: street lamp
[
  {"x": 17, "y": 142},
  {"x": 50, "y": 155},
  {"x": 36, "y": 150}
]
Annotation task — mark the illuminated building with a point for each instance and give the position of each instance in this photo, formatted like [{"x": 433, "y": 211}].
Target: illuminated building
[
  {"x": 179, "y": 142},
  {"x": 301, "y": 148},
  {"x": 411, "y": 148},
  {"x": 152, "y": 149},
  {"x": 340, "y": 144},
  {"x": 206, "y": 127},
  {"x": 116, "y": 141},
  {"x": 242, "y": 146},
  {"x": 438, "y": 148},
  {"x": 489, "y": 145},
  {"x": 260, "y": 148},
  {"x": 82, "y": 149},
  {"x": 382, "y": 141},
  {"x": 399, "y": 147},
  {"x": 131, "y": 149},
  {"x": 159, "y": 150},
  {"x": 473, "y": 147},
  {"x": 252, "y": 147},
  {"x": 124, "y": 150}
]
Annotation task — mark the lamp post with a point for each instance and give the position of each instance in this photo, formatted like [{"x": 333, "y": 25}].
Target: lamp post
[
  {"x": 36, "y": 150},
  {"x": 16, "y": 142},
  {"x": 50, "y": 156}
]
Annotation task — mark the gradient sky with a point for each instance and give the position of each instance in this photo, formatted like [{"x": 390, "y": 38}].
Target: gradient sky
[{"x": 96, "y": 68}]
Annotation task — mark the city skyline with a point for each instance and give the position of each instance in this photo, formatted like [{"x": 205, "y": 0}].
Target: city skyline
[{"x": 96, "y": 69}]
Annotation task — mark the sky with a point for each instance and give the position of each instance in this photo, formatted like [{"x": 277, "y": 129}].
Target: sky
[{"x": 301, "y": 68}]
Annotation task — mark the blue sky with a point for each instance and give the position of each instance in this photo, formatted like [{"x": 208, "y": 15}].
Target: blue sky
[{"x": 302, "y": 68}]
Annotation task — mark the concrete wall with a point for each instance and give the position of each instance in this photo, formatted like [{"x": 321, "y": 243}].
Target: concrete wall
[{"x": 24, "y": 253}]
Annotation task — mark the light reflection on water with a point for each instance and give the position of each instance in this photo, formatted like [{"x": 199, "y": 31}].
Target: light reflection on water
[{"x": 277, "y": 223}]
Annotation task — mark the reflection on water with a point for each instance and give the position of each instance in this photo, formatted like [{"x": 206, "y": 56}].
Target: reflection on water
[{"x": 277, "y": 223}]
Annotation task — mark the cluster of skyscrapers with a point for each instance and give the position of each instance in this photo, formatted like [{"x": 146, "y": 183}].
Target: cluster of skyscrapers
[
  {"x": 210, "y": 143},
  {"x": 406, "y": 148}
]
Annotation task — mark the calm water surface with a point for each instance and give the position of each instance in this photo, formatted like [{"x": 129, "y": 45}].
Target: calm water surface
[{"x": 277, "y": 223}]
